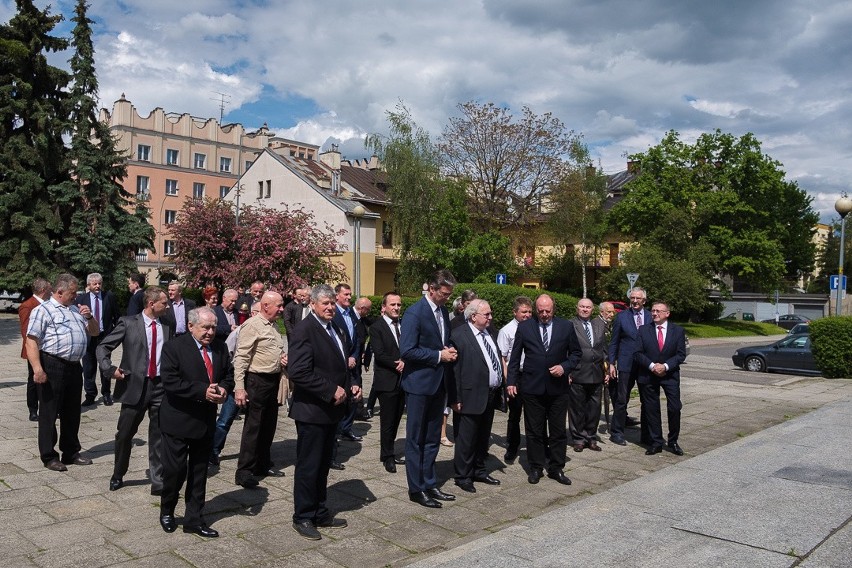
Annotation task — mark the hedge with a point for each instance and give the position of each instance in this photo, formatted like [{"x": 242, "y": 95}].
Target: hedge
[{"x": 831, "y": 344}]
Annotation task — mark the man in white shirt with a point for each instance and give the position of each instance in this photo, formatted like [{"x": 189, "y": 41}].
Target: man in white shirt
[{"x": 522, "y": 310}]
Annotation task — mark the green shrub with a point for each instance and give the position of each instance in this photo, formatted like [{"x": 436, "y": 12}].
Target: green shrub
[{"x": 831, "y": 343}]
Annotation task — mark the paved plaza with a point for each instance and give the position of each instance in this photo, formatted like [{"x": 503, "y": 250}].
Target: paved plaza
[{"x": 71, "y": 519}]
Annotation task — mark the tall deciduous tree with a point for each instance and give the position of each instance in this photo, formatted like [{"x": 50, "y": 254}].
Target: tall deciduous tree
[
  {"x": 32, "y": 155},
  {"x": 285, "y": 247},
  {"x": 511, "y": 164},
  {"x": 104, "y": 224}
]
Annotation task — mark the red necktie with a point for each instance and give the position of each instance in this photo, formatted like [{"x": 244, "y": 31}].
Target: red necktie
[
  {"x": 660, "y": 336},
  {"x": 152, "y": 360},
  {"x": 208, "y": 363}
]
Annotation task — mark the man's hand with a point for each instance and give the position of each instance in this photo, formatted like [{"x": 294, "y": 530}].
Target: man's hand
[
  {"x": 448, "y": 354},
  {"x": 241, "y": 397},
  {"x": 352, "y": 362},
  {"x": 613, "y": 373},
  {"x": 556, "y": 371},
  {"x": 216, "y": 394},
  {"x": 117, "y": 374},
  {"x": 283, "y": 360},
  {"x": 400, "y": 365},
  {"x": 457, "y": 406},
  {"x": 39, "y": 376},
  {"x": 356, "y": 392},
  {"x": 659, "y": 369},
  {"x": 339, "y": 396},
  {"x": 512, "y": 391},
  {"x": 85, "y": 311}
]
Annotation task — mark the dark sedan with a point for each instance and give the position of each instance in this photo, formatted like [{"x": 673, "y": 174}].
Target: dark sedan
[
  {"x": 791, "y": 354},
  {"x": 787, "y": 321}
]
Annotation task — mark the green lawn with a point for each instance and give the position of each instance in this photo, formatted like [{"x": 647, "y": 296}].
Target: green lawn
[{"x": 730, "y": 328}]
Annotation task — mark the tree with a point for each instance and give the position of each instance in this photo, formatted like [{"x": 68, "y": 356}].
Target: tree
[
  {"x": 282, "y": 247},
  {"x": 32, "y": 154},
  {"x": 724, "y": 196},
  {"x": 510, "y": 165},
  {"x": 103, "y": 223}
]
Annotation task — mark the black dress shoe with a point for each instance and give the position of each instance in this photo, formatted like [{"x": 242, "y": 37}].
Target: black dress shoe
[
  {"x": 115, "y": 484},
  {"x": 390, "y": 466},
  {"x": 422, "y": 498},
  {"x": 399, "y": 461},
  {"x": 247, "y": 482},
  {"x": 675, "y": 449},
  {"x": 466, "y": 486},
  {"x": 510, "y": 457},
  {"x": 307, "y": 530},
  {"x": 618, "y": 440},
  {"x": 77, "y": 459},
  {"x": 168, "y": 523},
  {"x": 337, "y": 465},
  {"x": 157, "y": 491},
  {"x": 88, "y": 401},
  {"x": 534, "y": 476},
  {"x": 33, "y": 416},
  {"x": 436, "y": 493},
  {"x": 55, "y": 465},
  {"x": 560, "y": 477},
  {"x": 273, "y": 473},
  {"x": 351, "y": 436},
  {"x": 107, "y": 400},
  {"x": 578, "y": 447},
  {"x": 213, "y": 459},
  {"x": 201, "y": 530},
  {"x": 654, "y": 450},
  {"x": 594, "y": 447},
  {"x": 488, "y": 480},
  {"x": 332, "y": 523},
  {"x": 631, "y": 422}
]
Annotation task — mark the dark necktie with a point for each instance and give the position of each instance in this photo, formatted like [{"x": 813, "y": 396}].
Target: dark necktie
[
  {"x": 152, "y": 359},
  {"x": 588, "y": 332},
  {"x": 334, "y": 338},
  {"x": 544, "y": 338},
  {"x": 98, "y": 309},
  {"x": 207, "y": 363},
  {"x": 494, "y": 364},
  {"x": 396, "y": 330}
]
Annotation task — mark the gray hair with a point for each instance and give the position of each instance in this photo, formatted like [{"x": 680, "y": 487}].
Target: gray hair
[
  {"x": 471, "y": 308},
  {"x": 321, "y": 291},
  {"x": 93, "y": 277},
  {"x": 194, "y": 315},
  {"x": 637, "y": 289},
  {"x": 230, "y": 292},
  {"x": 64, "y": 282},
  {"x": 40, "y": 285}
]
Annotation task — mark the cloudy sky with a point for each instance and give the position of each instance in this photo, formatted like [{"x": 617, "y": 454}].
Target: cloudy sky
[{"x": 621, "y": 72}]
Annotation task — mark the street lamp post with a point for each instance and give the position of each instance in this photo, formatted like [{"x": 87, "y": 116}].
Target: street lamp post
[
  {"x": 358, "y": 213},
  {"x": 843, "y": 206}
]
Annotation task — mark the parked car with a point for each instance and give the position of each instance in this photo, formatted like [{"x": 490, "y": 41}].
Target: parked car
[
  {"x": 618, "y": 305},
  {"x": 747, "y": 316},
  {"x": 787, "y": 321},
  {"x": 800, "y": 328},
  {"x": 10, "y": 301},
  {"x": 792, "y": 354}
]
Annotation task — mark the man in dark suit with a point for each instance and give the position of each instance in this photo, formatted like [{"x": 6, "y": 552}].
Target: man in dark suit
[
  {"x": 551, "y": 352},
  {"x": 136, "y": 286},
  {"x": 622, "y": 346},
  {"x": 662, "y": 350},
  {"x": 319, "y": 369},
  {"x": 584, "y": 407},
  {"x": 105, "y": 310},
  {"x": 197, "y": 376},
  {"x": 387, "y": 372},
  {"x": 41, "y": 292},
  {"x": 474, "y": 391},
  {"x": 226, "y": 314},
  {"x": 297, "y": 310},
  {"x": 346, "y": 319},
  {"x": 425, "y": 349},
  {"x": 177, "y": 314},
  {"x": 138, "y": 387},
  {"x": 467, "y": 296}
]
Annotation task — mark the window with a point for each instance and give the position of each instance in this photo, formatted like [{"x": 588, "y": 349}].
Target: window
[
  {"x": 172, "y": 157},
  {"x": 268, "y": 188},
  {"x": 248, "y": 164},
  {"x": 301, "y": 154},
  {"x": 143, "y": 187},
  {"x": 260, "y": 190},
  {"x": 168, "y": 248},
  {"x": 197, "y": 190},
  {"x": 224, "y": 164},
  {"x": 223, "y": 190},
  {"x": 387, "y": 235},
  {"x": 143, "y": 153},
  {"x": 171, "y": 187},
  {"x": 171, "y": 216},
  {"x": 200, "y": 161}
]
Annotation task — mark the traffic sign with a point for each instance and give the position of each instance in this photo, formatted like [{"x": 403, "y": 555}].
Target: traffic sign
[
  {"x": 500, "y": 279},
  {"x": 834, "y": 279},
  {"x": 632, "y": 277}
]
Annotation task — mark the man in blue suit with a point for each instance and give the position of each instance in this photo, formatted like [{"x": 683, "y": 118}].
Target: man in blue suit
[
  {"x": 622, "y": 346},
  {"x": 425, "y": 350},
  {"x": 104, "y": 309},
  {"x": 662, "y": 350}
]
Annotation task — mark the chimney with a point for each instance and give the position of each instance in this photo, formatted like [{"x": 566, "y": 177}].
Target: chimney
[{"x": 331, "y": 158}]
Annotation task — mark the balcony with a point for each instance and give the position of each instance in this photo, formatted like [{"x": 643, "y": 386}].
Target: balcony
[
  {"x": 385, "y": 252},
  {"x": 141, "y": 257},
  {"x": 143, "y": 196}
]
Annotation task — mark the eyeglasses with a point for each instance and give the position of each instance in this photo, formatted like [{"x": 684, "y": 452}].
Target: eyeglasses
[
  {"x": 636, "y": 298},
  {"x": 487, "y": 315},
  {"x": 659, "y": 311}
]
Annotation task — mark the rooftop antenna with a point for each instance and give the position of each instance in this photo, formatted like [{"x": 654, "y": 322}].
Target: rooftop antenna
[{"x": 223, "y": 99}]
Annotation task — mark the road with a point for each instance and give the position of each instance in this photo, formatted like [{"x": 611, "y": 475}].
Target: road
[{"x": 710, "y": 359}]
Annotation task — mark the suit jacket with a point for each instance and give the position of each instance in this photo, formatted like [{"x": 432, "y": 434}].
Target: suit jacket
[
  {"x": 223, "y": 328},
  {"x": 672, "y": 354},
  {"x": 135, "y": 304},
  {"x": 317, "y": 368},
  {"x": 590, "y": 369},
  {"x": 386, "y": 353},
  {"x": 24, "y": 310},
  {"x": 130, "y": 333},
  {"x": 354, "y": 346},
  {"x": 420, "y": 347},
  {"x": 109, "y": 308},
  {"x": 169, "y": 316},
  {"x": 468, "y": 376},
  {"x": 535, "y": 378},
  {"x": 185, "y": 412},
  {"x": 625, "y": 339},
  {"x": 292, "y": 316}
]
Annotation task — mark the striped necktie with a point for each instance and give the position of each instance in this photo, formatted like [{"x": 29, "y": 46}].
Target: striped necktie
[{"x": 494, "y": 364}]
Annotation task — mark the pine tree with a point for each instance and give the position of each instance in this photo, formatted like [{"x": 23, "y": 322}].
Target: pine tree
[
  {"x": 32, "y": 154},
  {"x": 105, "y": 224}
]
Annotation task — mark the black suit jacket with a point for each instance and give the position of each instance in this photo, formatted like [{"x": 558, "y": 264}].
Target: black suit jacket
[
  {"x": 109, "y": 308},
  {"x": 223, "y": 328},
  {"x": 386, "y": 354},
  {"x": 292, "y": 316},
  {"x": 134, "y": 305},
  {"x": 185, "y": 411},
  {"x": 672, "y": 354},
  {"x": 467, "y": 378},
  {"x": 536, "y": 378},
  {"x": 169, "y": 316},
  {"x": 317, "y": 367}
]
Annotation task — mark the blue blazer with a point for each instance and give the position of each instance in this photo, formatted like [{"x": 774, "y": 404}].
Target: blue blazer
[
  {"x": 672, "y": 354},
  {"x": 354, "y": 346},
  {"x": 564, "y": 350},
  {"x": 625, "y": 339},
  {"x": 420, "y": 347}
]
